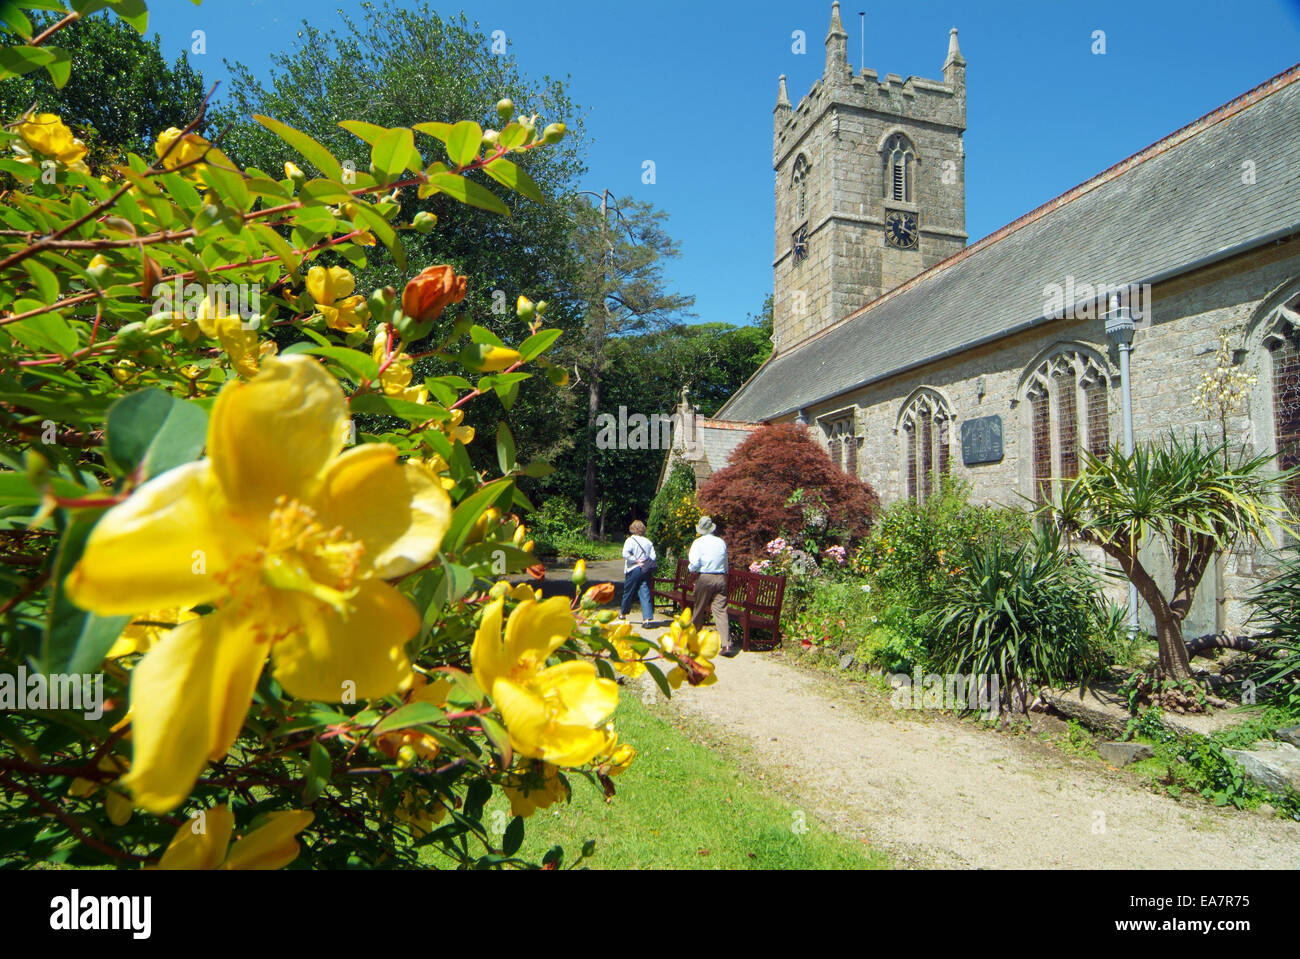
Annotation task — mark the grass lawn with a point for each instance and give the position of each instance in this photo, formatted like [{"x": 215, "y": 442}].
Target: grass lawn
[{"x": 680, "y": 806}]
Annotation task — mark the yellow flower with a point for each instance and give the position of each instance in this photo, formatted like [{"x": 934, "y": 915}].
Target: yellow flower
[
  {"x": 331, "y": 287},
  {"x": 191, "y": 149},
  {"x": 693, "y": 650},
  {"x": 631, "y": 664},
  {"x": 615, "y": 758},
  {"x": 421, "y": 814},
  {"x": 47, "y": 133},
  {"x": 144, "y": 632},
  {"x": 551, "y": 713},
  {"x": 204, "y": 843},
  {"x": 116, "y": 805},
  {"x": 538, "y": 786},
  {"x": 292, "y": 541},
  {"x": 396, "y": 378},
  {"x": 455, "y": 432}
]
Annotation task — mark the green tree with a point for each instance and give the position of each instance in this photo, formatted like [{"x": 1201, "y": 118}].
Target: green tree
[
  {"x": 405, "y": 64},
  {"x": 121, "y": 94},
  {"x": 621, "y": 249},
  {"x": 1182, "y": 494}
]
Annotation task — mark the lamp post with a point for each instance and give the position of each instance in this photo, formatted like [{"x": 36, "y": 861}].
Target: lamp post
[{"x": 1119, "y": 329}]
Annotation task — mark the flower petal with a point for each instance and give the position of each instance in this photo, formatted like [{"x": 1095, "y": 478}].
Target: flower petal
[
  {"x": 274, "y": 434},
  {"x": 541, "y": 627},
  {"x": 163, "y": 546},
  {"x": 533, "y": 734},
  {"x": 487, "y": 656},
  {"x": 585, "y": 699},
  {"x": 189, "y": 697},
  {"x": 271, "y": 845},
  {"x": 399, "y": 510},
  {"x": 201, "y": 841},
  {"x": 325, "y": 651}
]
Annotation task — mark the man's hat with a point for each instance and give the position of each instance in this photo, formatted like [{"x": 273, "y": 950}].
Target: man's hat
[{"x": 705, "y": 526}]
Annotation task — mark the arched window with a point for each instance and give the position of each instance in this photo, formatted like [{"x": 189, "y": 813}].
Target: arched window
[
  {"x": 1283, "y": 342},
  {"x": 800, "y": 185},
  {"x": 842, "y": 441},
  {"x": 899, "y": 167},
  {"x": 1068, "y": 408},
  {"x": 926, "y": 425}
]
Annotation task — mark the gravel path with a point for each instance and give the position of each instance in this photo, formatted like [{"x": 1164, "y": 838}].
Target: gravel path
[{"x": 933, "y": 791}]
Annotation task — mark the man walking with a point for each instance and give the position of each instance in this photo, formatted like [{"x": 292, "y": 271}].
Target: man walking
[{"x": 708, "y": 557}]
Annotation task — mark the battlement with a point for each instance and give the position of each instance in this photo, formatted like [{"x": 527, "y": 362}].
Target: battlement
[{"x": 918, "y": 98}]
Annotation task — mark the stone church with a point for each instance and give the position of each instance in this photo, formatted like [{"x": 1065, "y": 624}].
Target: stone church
[{"x": 910, "y": 354}]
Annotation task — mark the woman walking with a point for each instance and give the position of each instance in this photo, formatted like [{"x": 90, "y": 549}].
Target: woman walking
[{"x": 639, "y": 564}]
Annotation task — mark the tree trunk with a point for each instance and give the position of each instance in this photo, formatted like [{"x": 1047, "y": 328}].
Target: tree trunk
[
  {"x": 1174, "y": 660},
  {"x": 589, "y": 487}
]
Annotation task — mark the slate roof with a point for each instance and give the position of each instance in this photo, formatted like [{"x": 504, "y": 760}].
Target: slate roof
[{"x": 1162, "y": 211}]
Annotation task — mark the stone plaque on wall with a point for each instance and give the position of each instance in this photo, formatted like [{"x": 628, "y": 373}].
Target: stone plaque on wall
[{"x": 981, "y": 441}]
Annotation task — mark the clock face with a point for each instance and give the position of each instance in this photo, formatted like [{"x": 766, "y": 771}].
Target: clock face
[{"x": 900, "y": 230}]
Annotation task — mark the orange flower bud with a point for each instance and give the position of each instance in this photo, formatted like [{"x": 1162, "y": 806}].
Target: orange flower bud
[
  {"x": 432, "y": 291},
  {"x": 601, "y": 593},
  {"x": 537, "y": 572}
]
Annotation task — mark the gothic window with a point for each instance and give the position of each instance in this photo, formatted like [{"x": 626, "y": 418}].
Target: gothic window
[
  {"x": 1283, "y": 343},
  {"x": 842, "y": 443},
  {"x": 1068, "y": 408},
  {"x": 900, "y": 168},
  {"x": 926, "y": 425},
  {"x": 800, "y": 189}
]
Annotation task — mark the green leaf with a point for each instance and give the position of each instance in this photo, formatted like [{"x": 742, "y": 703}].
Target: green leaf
[
  {"x": 370, "y": 132},
  {"x": 15, "y": 19},
  {"x": 359, "y": 365},
  {"x": 500, "y": 738},
  {"x": 505, "y": 449},
  {"x": 439, "y": 131},
  {"x": 17, "y": 61},
  {"x": 412, "y": 714},
  {"x": 74, "y": 640},
  {"x": 392, "y": 152},
  {"x": 288, "y": 256},
  {"x": 133, "y": 12},
  {"x": 151, "y": 432},
  {"x": 471, "y": 508},
  {"x": 463, "y": 142},
  {"x": 467, "y": 191},
  {"x": 48, "y": 333},
  {"x": 319, "y": 771},
  {"x": 311, "y": 150},
  {"x": 391, "y": 406},
  {"x": 514, "y": 837},
  {"x": 509, "y": 175},
  {"x": 657, "y": 675},
  {"x": 537, "y": 344}
]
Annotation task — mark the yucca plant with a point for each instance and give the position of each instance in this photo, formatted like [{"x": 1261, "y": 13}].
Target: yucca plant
[
  {"x": 1277, "y": 615},
  {"x": 1028, "y": 612},
  {"x": 1193, "y": 498}
]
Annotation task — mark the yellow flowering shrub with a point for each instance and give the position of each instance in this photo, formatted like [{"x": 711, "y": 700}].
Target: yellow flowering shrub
[{"x": 284, "y": 629}]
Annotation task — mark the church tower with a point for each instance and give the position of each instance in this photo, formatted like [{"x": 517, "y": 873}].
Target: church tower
[{"x": 870, "y": 186}]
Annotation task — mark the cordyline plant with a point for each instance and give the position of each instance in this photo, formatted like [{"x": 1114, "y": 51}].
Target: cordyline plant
[
  {"x": 1183, "y": 494},
  {"x": 240, "y": 627}
]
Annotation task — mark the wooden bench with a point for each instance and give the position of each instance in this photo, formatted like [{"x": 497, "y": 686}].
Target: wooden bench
[{"x": 753, "y": 601}]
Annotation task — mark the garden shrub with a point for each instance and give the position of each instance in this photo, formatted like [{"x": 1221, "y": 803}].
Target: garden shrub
[
  {"x": 912, "y": 552},
  {"x": 290, "y": 618},
  {"x": 559, "y": 529},
  {"x": 780, "y": 483},
  {"x": 673, "y": 514},
  {"x": 1277, "y": 614},
  {"x": 1029, "y": 612}
]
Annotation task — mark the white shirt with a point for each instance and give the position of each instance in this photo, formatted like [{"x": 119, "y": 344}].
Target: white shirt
[
  {"x": 637, "y": 550},
  {"x": 708, "y": 555}
]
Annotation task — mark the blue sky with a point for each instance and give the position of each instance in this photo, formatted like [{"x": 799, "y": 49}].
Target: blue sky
[{"x": 691, "y": 86}]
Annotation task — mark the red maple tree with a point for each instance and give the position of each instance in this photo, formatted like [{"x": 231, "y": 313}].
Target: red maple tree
[{"x": 751, "y": 496}]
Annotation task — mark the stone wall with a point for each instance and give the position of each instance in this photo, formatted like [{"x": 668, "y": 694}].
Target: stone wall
[{"x": 1172, "y": 347}]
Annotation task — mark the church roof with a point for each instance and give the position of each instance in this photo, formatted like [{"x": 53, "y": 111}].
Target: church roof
[{"x": 1174, "y": 206}]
